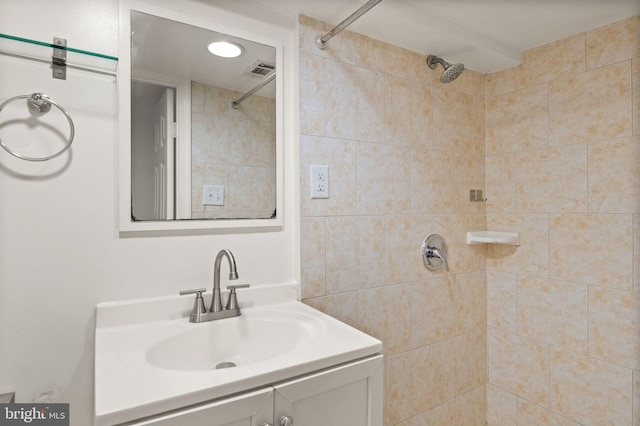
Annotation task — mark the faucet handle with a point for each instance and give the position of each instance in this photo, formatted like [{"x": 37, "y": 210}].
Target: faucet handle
[
  {"x": 434, "y": 246},
  {"x": 434, "y": 252},
  {"x": 234, "y": 286},
  {"x": 232, "y": 301},
  {"x": 198, "y": 305},
  {"x": 194, "y": 291}
]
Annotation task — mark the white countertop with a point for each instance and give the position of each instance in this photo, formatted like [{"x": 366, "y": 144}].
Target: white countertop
[{"x": 128, "y": 386}]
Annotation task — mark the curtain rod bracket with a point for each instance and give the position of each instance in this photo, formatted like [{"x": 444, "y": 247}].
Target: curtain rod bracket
[{"x": 319, "y": 43}]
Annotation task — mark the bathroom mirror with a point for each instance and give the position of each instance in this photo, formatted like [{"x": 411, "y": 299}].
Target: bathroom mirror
[{"x": 201, "y": 140}]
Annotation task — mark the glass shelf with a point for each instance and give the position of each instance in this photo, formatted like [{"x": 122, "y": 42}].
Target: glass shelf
[{"x": 42, "y": 51}]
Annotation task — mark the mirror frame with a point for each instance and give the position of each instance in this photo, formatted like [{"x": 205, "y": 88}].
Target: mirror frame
[{"x": 125, "y": 222}]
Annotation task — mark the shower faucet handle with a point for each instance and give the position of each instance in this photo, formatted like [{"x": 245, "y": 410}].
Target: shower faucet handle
[{"x": 434, "y": 253}]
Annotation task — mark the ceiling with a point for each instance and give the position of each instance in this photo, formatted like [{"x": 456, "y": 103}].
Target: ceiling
[
  {"x": 486, "y": 35},
  {"x": 162, "y": 47}
]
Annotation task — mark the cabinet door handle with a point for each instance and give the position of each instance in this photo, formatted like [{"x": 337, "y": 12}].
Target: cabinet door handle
[{"x": 286, "y": 421}]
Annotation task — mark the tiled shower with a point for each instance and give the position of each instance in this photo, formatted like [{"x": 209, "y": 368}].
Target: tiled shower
[
  {"x": 545, "y": 333},
  {"x": 235, "y": 148}
]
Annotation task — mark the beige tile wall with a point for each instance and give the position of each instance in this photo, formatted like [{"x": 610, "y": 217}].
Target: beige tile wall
[
  {"x": 546, "y": 333},
  {"x": 403, "y": 151},
  {"x": 235, "y": 149},
  {"x": 563, "y": 166}
]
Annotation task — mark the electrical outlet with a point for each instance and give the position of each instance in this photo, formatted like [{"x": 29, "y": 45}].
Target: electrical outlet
[
  {"x": 319, "y": 177},
  {"x": 213, "y": 195}
]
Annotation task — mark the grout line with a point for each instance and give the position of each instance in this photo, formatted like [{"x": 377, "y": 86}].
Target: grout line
[
  {"x": 549, "y": 381},
  {"x": 549, "y": 245},
  {"x": 588, "y": 317},
  {"x": 548, "y": 115},
  {"x": 588, "y": 207},
  {"x": 324, "y": 233},
  {"x": 633, "y": 112}
]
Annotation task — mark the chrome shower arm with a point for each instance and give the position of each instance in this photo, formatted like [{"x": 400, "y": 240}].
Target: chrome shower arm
[{"x": 432, "y": 62}]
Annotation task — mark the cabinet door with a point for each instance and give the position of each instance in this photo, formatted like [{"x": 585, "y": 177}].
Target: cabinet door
[
  {"x": 250, "y": 409},
  {"x": 348, "y": 395}
]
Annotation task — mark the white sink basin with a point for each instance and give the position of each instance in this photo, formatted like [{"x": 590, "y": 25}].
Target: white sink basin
[
  {"x": 149, "y": 358},
  {"x": 232, "y": 342}
]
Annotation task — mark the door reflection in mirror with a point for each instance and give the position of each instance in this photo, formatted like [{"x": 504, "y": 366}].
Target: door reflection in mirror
[{"x": 152, "y": 151}]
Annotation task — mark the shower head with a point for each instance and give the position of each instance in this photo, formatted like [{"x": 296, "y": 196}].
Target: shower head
[{"x": 451, "y": 72}]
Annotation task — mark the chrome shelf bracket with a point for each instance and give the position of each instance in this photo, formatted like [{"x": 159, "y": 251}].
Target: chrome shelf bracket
[{"x": 59, "y": 58}]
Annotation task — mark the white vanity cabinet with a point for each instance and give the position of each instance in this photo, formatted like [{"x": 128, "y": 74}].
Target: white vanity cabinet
[
  {"x": 345, "y": 395},
  {"x": 250, "y": 409}
]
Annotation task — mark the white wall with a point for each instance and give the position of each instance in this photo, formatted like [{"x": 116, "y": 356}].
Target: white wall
[{"x": 60, "y": 252}]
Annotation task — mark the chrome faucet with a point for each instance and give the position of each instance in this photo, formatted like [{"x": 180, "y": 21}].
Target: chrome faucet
[
  {"x": 216, "y": 301},
  {"x": 216, "y": 311}
]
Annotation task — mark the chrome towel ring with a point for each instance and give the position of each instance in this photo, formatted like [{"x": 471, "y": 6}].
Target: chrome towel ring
[{"x": 39, "y": 103}]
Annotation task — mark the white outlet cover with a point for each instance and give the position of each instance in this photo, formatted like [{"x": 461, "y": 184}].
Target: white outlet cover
[
  {"x": 319, "y": 178},
  {"x": 213, "y": 195}
]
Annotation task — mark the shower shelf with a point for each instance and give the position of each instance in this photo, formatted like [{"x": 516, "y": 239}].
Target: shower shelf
[{"x": 493, "y": 237}]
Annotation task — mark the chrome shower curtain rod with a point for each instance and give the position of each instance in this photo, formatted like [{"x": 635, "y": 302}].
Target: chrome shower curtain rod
[
  {"x": 321, "y": 41},
  {"x": 236, "y": 104}
]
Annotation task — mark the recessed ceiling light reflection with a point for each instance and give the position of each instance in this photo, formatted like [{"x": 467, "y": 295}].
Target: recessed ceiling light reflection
[{"x": 225, "y": 49}]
